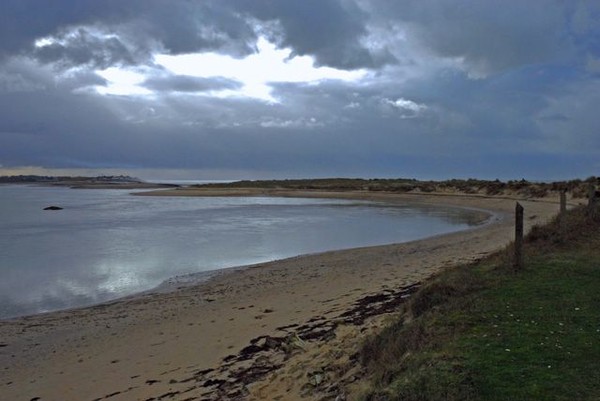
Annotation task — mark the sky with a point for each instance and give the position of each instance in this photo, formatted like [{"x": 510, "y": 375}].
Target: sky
[{"x": 251, "y": 89}]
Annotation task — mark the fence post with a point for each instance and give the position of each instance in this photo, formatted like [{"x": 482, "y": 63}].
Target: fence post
[
  {"x": 563, "y": 202},
  {"x": 592, "y": 199},
  {"x": 591, "y": 196},
  {"x": 563, "y": 209},
  {"x": 518, "y": 261}
]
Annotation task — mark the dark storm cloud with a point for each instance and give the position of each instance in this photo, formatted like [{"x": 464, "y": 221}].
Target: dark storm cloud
[
  {"x": 331, "y": 31},
  {"x": 24, "y": 21},
  {"x": 462, "y": 88},
  {"x": 491, "y": 36},
  {"x": 183, "y": 83},
  {"x": 177, "y": 27},
  {"x": 488, "y": 36}
]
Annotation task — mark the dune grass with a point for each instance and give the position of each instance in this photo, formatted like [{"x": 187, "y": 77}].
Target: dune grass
[
  {"x": 486, "y": 332},
  {"x": 577, "y": 188}
]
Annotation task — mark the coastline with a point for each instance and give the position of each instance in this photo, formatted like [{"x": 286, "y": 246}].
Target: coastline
[{"x": 163, "y": 344}]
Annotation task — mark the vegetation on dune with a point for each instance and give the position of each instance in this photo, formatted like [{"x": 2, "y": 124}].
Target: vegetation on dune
[
  {"x": 521, "y": 188},
  {"x": 579, "y": 188},
  {"x": 486, "y": 332}
]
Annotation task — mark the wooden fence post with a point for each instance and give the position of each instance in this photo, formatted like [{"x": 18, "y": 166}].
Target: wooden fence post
[
  {"x": 518, "y": 261},
  {"x": 563, "y": 209},
  {"x": 592, "y": 200},
  {"x": 563, "y": 202}
]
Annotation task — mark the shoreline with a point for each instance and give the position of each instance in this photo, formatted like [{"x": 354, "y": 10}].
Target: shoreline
[
  {"x": 198, "y": 278},
  {"x": 153, "y": 344},
  {"x": 172, "y": 283}
]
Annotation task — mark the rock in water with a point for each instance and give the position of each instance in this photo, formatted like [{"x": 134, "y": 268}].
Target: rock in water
[{"x": 53, "y": 208}]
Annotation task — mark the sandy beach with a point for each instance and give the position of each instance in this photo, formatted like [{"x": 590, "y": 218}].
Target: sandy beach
[{"x": 274, "y": 331}]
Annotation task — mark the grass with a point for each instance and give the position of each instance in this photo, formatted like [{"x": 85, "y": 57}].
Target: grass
[
  {"x": 535, "y": 336},
  {"x": 485, "y": 332}
]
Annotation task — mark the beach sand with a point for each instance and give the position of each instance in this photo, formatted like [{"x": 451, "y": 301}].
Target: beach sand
[{"x": 278, "y": 330}]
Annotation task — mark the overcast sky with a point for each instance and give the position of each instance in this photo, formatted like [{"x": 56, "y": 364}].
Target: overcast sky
[{"x": 230, "y": 89}]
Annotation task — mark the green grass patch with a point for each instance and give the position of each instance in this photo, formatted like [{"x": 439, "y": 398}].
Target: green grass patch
[
  {"x": 536, "y": 335},
  {"x": 485, "y": 332}
]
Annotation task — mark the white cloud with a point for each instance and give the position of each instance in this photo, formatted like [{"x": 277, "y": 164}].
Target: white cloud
[
  {"x": 407, "y": 108},
  {"x": 267, "y": 66},
  {"x": 73, "y": 34},
  {"x": 122, "y": 82},
  {"x": 297, "y": 123},
  {"x": 256, "y": 72}
]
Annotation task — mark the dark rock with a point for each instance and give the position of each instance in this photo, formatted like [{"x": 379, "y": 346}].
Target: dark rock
[{"x": 53, "y": 208}]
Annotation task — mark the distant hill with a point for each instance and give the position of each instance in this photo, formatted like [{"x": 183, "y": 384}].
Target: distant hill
[
  {"x": 100, "y": 182},
  {"x": 68, "y": 179}
]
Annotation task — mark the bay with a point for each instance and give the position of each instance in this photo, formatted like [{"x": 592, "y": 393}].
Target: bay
[{"x": 107, "y": 244}]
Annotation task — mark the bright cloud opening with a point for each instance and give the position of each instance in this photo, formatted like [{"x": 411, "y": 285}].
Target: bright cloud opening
[
  {"x": 256, "y": 72},
  {"x": 122, "y": 82}
]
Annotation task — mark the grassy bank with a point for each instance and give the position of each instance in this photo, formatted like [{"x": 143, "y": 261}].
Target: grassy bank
[
  {"x": 486, "y": 332},
  {"x": 577, "y": 188}
]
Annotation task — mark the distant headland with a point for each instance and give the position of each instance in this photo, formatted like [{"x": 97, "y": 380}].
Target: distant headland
[{"x": 101, "y": 182}]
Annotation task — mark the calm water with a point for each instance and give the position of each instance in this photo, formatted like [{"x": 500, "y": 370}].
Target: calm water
[{"x": 107, "y": 243}]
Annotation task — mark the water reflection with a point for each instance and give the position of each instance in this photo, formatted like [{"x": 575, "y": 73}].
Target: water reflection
[{"x": 106, "y": 244}]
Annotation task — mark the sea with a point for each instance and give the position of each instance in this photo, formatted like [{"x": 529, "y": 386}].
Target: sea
[{"x": 106, "y": 244}]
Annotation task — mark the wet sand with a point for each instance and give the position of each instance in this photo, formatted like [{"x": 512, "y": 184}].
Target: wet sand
[{"x": 261, "y": 332}]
